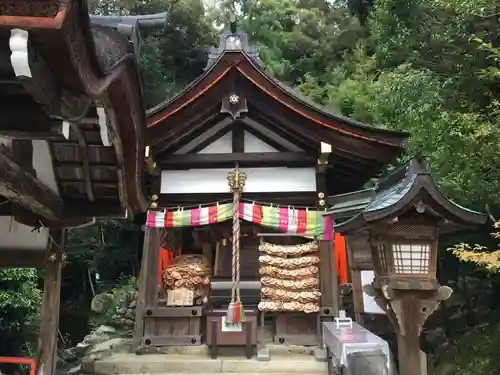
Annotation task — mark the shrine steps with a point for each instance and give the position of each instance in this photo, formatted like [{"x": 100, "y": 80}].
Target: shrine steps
[
  {"x": 219, "y": 373},
  {"x": 176, "y": 364}
]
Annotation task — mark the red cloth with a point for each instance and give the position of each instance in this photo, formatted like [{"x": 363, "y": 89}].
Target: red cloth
[
  {"x": 166, "y": 260},
  {"x": 340, "y": 254}
]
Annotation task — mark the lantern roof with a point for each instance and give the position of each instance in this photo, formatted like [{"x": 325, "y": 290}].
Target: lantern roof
[{"x": 410, "y": 187}]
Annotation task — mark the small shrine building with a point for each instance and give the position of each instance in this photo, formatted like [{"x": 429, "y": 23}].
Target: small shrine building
[{"x": 293, "y": 154}]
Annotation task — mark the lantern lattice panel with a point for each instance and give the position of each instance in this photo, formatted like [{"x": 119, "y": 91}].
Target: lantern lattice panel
[
  {"x": 411, "y": 258},
  {"x": 382, "y": 258},
  {"x": 411, "y": 231}
]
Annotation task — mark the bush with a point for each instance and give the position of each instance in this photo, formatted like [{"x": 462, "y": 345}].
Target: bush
[
  {"x": 112, "y": 305},
  {"x": 20, "y": 301}
]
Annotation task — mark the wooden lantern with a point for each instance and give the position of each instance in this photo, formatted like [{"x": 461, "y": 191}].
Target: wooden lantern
[{"x": 404, "y": 217}]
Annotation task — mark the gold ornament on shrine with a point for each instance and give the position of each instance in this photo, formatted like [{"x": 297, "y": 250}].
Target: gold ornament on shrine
[{"x": 236, "y": 180}]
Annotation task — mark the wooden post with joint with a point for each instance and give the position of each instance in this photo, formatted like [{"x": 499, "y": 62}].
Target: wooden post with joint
[
  {"x": 328, "y": 272},
  {"x": 49, "y": 322},
  {"x": 407, "y": 311},
  {"x": 149, "y": 265}
]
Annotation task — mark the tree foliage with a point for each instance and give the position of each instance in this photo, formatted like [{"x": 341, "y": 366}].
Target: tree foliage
[
  {"x": 480, "y": 254},
  {"x": 19, "y": 306}
]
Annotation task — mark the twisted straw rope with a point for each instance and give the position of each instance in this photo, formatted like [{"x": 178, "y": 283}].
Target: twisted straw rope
[{"x": 235, "y": 248}]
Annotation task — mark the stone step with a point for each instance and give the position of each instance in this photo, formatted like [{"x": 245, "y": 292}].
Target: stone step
[
  {"x": 211, "y": 373},
  {"x": 121, "y": 364},
  {"x": 203, "y": 350}
]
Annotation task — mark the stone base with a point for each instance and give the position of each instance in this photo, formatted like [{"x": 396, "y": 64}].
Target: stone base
[{"x": 183, "y": 364}]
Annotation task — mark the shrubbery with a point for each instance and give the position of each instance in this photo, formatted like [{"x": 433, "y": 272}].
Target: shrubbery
[{"x": 20, "y": 301}]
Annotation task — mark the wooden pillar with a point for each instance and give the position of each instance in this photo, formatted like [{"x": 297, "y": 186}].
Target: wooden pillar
[
  {"x": 357, "y": 296},
  {"x": 148, "y": 281},
  {"x": 49, "y": 322},
  {"x": 328, "y": 279},
  {"x": 409, "y": 337},
  {"x": 407, "y": 311}
]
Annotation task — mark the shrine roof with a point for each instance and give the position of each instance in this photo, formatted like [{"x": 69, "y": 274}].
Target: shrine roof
[
  {"x": 236, "y": 69},
  {"x": 245, "y": 65},
  {"x": 83, "y": 96},
  {"x": 409, "y": 186}
]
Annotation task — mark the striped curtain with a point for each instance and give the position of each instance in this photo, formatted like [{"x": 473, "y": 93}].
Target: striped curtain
[{"x": 283, "y": 219}]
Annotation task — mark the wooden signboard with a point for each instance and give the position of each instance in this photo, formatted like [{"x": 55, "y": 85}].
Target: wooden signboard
[{"x": 180, "y": 297}]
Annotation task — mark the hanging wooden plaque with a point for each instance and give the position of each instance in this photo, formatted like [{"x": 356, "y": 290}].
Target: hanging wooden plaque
[{"x": 180, "y": 297}]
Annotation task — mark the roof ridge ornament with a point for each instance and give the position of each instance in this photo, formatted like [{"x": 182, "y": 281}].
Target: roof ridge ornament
[{"x": 232, "y": 38}]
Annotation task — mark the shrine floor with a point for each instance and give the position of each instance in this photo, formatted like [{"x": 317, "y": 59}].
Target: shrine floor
[{"x": 283, "y": 361}]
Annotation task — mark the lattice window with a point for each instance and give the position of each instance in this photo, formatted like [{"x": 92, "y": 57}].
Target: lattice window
[
  {"x": 382, "y": 258},
  {"x": 411, "y": 258},
  {"x": 412, "y": 231}
]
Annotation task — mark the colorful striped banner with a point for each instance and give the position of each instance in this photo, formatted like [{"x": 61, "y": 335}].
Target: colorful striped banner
[{"x": 282, "y": 219}]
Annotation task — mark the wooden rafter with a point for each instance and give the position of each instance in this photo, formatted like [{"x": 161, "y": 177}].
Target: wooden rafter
[
  {"x": 305, "y": 127},
  {"x": 263, "y": 159},
  {"x": 26, "y": 190},
  {"x": 85, "y": 161},
  {"x": 173, "y": 127},
  {"x": 306, "y": 109},
  {"x": 270, "y": 139},
  {"x": 172, "y": 140},
  {"x": 212, "y": 138},
  {"x": 304, "y": 142},
  {"x": 213, "y": 121}
]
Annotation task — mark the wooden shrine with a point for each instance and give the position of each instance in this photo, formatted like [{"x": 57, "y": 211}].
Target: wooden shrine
[
  {"x": 294, "y": 154},
  {"x": 72, "y": 138}
]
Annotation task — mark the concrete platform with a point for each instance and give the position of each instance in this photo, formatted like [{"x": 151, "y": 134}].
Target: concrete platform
[{"x": 131, "y": 364}]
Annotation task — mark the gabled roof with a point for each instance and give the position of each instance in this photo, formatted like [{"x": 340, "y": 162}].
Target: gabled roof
[
  {"x": 359, "y": 150},
  {"x": 84, "y": 78},
  {"x": 410, "y": 185}
]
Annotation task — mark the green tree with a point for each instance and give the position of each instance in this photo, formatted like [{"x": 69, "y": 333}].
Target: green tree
[{"x": 19, "y": 307}]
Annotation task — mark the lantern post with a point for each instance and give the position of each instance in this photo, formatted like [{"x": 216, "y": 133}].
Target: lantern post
[{"x": 404, "y": 218}]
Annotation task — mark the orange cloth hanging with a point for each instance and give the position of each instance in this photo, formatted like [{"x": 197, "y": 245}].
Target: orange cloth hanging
[
  {"x": 340, "y": 253},
  {"x": 166, "y": 260}
]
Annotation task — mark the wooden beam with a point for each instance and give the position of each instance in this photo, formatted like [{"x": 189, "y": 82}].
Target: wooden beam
[
  {"x": 27, "y": 121},
  {"x": 328, "y": 277},
  {"x": 238, "y": 137},
  {"x": 264, "y": 159},
  {"x": 177, "y": 141},
  {"x": 266, "y": 138},
  {"x": 303, "y": 142},
  {"x": 84, "y": 156},
  {"x": 211, "y": 139},
  {"x": 298, "y": 198},
  {"x": 22, "y": 258},
  {"x": 49, "y": 322},
  {"x": 306, "y": 127},
  {"x": 26, "y": 190},
  {"x": 176, "y": 126}
]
